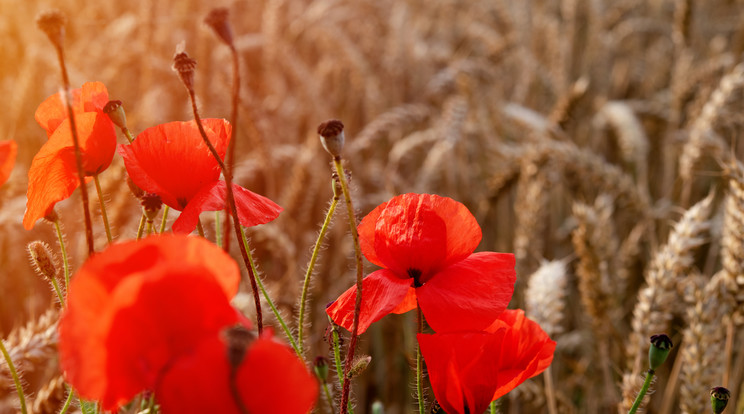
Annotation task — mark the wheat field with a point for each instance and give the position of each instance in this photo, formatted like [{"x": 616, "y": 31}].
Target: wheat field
[{"x": 596, "y": 140}]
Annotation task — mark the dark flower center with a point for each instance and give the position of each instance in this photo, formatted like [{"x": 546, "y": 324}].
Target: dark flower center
[{"x": 416, "y": 275}]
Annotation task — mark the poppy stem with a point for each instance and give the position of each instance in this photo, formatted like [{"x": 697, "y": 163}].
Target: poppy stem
[
  {"x": 311, "y": 266},
  {"x": 419, "y": 365},
  {"x": 166, "y": 210},
  {"x": 550, "y": 391},
  {"x": 266, "y": 295},
  {"x": 229, "y": 156},
  {"x": 104, "y": 216},
  {"x": 128, "y": 134},
  {"x": 141, "y": 228},
  {"x": 149, "y": 227},
  {"x": 65, "y": 262},
  {"x": 68, "y": 401},
  {"x": 642, "y": 393},
  {"x": 76, "y": 143},
  {"x": 151, "y": 404},
  {"x": 328, "y": 398},
  {"x": 493, "y": 407},
  {"x": 200, "y": 228},
  {"x": 337, "y": 356},
  {"x": 217, "y": 230},
  {"x": 359, "y": 269},
  {"x": 14, "y": 374},
  {"x": 232, "y": 210}
]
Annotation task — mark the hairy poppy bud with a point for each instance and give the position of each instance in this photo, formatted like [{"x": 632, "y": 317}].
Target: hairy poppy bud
[
  {"x": 359, "y": 365},
  {"x": 659, "y": 350},
  {"x": 116, "y": 113},
  {"x": 719, "y": 397},
  {"x": 238, "y": 339},
  {"x": 321, "y": 368},
  {"x": 217, "y": 19},
  {"x": 52, "y": 22},
  {"x": 42, "y": 259},
  {"x": 184, "y": 66},
  {"x": 332, "y": 136}
]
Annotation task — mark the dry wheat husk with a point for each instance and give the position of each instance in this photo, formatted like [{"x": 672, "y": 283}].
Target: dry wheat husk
[{"x": 30, "y": 347}]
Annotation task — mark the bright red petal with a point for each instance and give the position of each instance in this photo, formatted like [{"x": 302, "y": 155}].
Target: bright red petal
[
  {"x": 51, "y": 179},
  {"x": 135, "y": 305},
  {"x": 382, "y": 292},
  {"x": 468, "y": 370},
  {"x": 366, "y": 230},
  {"x": 97, "y": 140},
  {"x": 253, "y": 209},
  {"x": 470, "y": 294},
  {"x": 92, "y": 97},
  {"x": 199, "y": 382},
  {"x": 8, "y": 151},
  {"x": 424, "y": 232},
  {"x": 171, "y": 159}
]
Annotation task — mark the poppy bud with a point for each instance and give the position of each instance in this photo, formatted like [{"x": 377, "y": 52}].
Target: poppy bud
[
  {"x": 659, "y": 350},
  {"x": 321, "y": 368},
  {"x": 217, "y": 19},
  {"x": 332, "y": 136},
  {"x": 42, "y": 259},
  {"x": 151, "y": 204},
  {"x": 52, "y": 22},
  {"x": 359, "y": 365},
  {"x": 719, "y": 397},
  {"x": 184, "y": 66},
  {"x": 238, "y": 339},
  {"x": 116, "y": 112}
]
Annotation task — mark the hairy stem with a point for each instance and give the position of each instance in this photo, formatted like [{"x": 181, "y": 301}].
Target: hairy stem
[
  {"x": 14, "y": 374},
  {"x": 104, "y": 216}
]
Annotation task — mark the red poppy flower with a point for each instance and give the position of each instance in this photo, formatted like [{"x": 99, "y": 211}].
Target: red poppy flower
[
  {"x": 172, "y": 161},
  {"x": 136, "y": 306},
  {"x": 271, "y": 379},
  {"x": 468, "y": 370},
  {"x": 8, "y": 151},
  {"x": 425, "y": 244},
  {"x": 53, "y": 173}
]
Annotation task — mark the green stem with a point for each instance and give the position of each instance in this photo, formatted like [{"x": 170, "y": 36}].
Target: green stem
[
  {"x": 217, "y": 230},
  {"x": 61, "y": 298},
  {"x": 311, "y": 266},
  {"x": 642, "y": 393},
  {"x": 141, "y": 228},
  {"x": 200, "y": 228},
  {"x": 68, "y": 401},
  {"x": 149, "y": 227},
  {"x": 493, "y": 407},
  {"x": 151, "y": 404},
  {"x": 128, "y": 135},
  {"x": 104, "y": 216},
  {"x": 359, "y": 274},
  {"x": 328, "y": 397},
  {"x": 166, "y": 210},
  {"x": 266, "y": 296},
  {"x": 66, "y": 263},
  {"x": 337, "y": 357},
  {"x": 419, "y": 365},
  {"x": 14, "y": 374}
]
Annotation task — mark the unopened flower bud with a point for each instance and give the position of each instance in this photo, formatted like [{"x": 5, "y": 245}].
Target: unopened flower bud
[
  {"x": 359, "y": 365},
  {"x": 218, "y": 20},
  {"x": 151, "y": 204},
  {"x": 719, "y": 398},
  {"x": 52, "y": 22},
  {"x": 42, "y": 259},
  {"x": 659, "y": 350},
  {"x": 116, "y": 112},
  {"x": 238, "y": 338},
  {"x": 184, "y": 66},
  {"x": 332, "y": 136},
  {"x": 321, "y": 368}
]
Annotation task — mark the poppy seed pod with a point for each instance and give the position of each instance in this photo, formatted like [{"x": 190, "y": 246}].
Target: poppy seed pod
[
  {"x": 332, "y": 136},
  {"x": 659, "y": 350},
  {"x": 184, "y": 66},
  {"x": 217, "y": 19},
  {"x": 116, "y": 112},
  {"x": 719, "y": 398},
  {"x": 52, "y": 22}
]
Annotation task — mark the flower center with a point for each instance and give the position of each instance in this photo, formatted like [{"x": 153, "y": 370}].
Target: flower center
[{"x": 416, "y": 275}]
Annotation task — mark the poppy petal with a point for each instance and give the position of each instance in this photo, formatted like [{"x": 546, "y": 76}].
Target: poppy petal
[
  {"x": 253, "y": 209},
  {"x": 199, "y": 381},
  {"x": 366, "y": 231},
  {"x": 470, "y": 294},
  {"x": 382, "y": 292},
  {"x": 51, "y": 179},
  {"x": 424, "y": 232},
  {"x": 468, "y": 370},
  {"x": 172, "y": 161},
  {"x": 8, "y": 152},
  {"x": 92, "y": 97}
]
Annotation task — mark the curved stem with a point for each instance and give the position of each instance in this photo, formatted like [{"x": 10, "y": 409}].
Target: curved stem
[
  {"x": 229, "y": 156},
  {"x": 359, "y": 269},
  {"x": 104, "y": 216},
  {"x": 166, "y": 210},
  {"x": 267, "y": 297},
  {"x": 14, "y": 374},
  {"x": 141, "y": 228},
  {"x": 128, "y": 135},
  {"x": 310, "y": 267},
  {"x": 328, "y": 398},
  {"x": 337, "y": 357},
  {"x": 68, "y": 401},
  {"x": 642, "y": 393},
  {"x": 55, "y": 285},
  {"x": 65, "y": 262},
  {"x": 419, "y": 365}
]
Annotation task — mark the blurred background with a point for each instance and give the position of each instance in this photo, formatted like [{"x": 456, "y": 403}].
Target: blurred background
[{"x": 576, "y": 131}]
